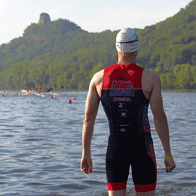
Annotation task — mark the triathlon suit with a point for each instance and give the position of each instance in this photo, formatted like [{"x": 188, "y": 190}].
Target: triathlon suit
[{"x": 130, "y": 141}]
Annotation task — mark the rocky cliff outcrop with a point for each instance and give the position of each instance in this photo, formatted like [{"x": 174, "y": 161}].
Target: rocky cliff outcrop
[{"x": 44, "y": 18}]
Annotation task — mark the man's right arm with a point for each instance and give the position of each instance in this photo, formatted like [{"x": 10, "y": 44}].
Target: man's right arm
[{"x": 160, "y": 118}]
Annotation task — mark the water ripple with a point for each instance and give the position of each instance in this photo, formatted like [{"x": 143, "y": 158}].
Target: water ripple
[{"x": 40, "y": 147}]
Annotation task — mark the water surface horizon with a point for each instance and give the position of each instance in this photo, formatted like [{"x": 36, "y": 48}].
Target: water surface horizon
[{"x": 40, "y": 146}]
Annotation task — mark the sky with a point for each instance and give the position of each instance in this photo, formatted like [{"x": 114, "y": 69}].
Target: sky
[{"x": 90, "y": 15}]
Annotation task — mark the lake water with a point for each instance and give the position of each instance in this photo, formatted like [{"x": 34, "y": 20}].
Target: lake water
[{"x": 40, "y": 147}]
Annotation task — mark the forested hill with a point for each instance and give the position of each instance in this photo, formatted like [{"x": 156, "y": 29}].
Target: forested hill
[{"x": 60, "y": 53}]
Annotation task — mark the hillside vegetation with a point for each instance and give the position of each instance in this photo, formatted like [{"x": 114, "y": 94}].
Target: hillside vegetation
[{"x": 60, "y": 53}]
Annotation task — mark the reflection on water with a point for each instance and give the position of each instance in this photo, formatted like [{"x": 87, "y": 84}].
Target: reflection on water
[{"x": 40, "y": 146}]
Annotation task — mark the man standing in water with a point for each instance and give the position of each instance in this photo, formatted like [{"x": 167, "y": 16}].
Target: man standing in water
[{"x": 125, "y": 91}]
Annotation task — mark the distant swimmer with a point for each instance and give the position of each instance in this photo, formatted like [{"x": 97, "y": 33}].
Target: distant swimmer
[
  {"x": 18, "y": 94},
  {"x": 126, "y": 90}
]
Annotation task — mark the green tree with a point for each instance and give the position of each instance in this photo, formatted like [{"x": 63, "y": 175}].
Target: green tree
[{"x": 184, "y": 76}]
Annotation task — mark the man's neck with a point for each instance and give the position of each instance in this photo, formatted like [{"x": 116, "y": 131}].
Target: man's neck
[
  {"x": 126, "y": 61},
  {"x": 127, "y": 58}
]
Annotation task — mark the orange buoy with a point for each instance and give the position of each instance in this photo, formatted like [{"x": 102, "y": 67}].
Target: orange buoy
[
  {"x": 69, "y": 100},
  {"x": 51, "y": 96},
  {"x": 74, "y": 98},
  {"x": 2, "y": 94}
]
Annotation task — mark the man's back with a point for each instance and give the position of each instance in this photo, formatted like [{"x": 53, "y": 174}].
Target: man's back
[
  {"x": 151, "y": 87},
  {"x": 123, "y": 99}
]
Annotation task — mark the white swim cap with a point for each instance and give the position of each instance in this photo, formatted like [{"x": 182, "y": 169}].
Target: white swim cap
[{"x": 127, "y": 41}]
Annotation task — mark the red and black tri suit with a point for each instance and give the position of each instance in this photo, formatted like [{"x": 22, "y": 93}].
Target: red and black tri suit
[{"x": 130, "y": 142}]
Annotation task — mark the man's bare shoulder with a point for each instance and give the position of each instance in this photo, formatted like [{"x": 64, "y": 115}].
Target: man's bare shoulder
[
  {"x": 99, "y": 74},
  {"x": 151, "y": 76},
  {"x": 98, "y": 77}
]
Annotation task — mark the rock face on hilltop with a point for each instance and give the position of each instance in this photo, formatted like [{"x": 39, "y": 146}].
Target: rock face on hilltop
[{"x": 44, "y": 18}]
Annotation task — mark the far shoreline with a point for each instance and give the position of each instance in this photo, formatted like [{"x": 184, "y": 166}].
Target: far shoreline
[
  {"x": 75, "y": 91},
  {"x": 179, "y": 90}
]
